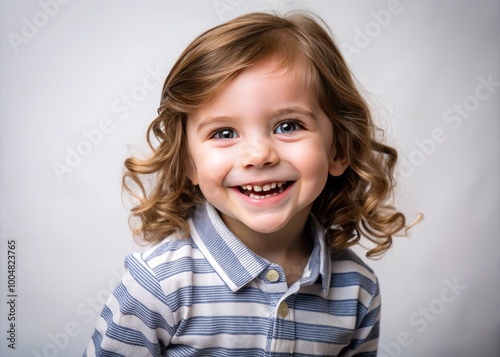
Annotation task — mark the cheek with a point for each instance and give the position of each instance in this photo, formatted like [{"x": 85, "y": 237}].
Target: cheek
[
  {"x": 316, "y": 169},
  {"x": 311, "y": 160},
  {"x": 313, "y": 166},
  {"x": 211, "y": 168}
]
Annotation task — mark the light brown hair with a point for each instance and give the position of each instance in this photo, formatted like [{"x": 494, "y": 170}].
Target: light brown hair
[{"x": 351, "y": 205}]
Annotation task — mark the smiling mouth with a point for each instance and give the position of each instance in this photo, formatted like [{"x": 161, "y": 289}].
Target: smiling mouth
[{"x": 264, "y": 191}]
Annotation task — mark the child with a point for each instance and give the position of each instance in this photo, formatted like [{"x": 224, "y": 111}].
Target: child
[{"x": 264, "y": 171}]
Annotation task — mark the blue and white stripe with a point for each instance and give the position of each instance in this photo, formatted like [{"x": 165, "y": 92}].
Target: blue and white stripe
[{"x": 208, "y": 295}]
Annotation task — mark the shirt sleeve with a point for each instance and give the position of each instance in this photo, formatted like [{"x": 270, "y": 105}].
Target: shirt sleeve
[
  {"x": 136, "y": 320},
  {"x": 365, "y": 337}
]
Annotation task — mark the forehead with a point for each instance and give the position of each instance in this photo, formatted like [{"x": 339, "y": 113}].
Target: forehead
[
  {"x": 267, "y": 86},
  {"x": 297, "y": 70}
]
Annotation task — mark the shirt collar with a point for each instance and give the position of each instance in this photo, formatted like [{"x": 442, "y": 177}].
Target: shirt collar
[
  {"x": 319, "y": 263},
  {"x": 236, "y": 264}
]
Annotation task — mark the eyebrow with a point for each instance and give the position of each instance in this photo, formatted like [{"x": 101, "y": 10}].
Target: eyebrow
[
  {"x": 213, "y": 121},
  {"x": 296, "y": 109},
  {"x": 281, "y": 112}
]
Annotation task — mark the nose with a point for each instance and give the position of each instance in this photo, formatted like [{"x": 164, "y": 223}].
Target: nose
[{"x": 259, "y": 153}]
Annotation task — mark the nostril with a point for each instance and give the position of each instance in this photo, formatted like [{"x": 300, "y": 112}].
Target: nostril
[{"x": 260, "y": 157}]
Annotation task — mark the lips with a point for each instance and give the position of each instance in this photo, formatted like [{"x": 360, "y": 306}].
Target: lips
[{"x": 264, "y": 191}]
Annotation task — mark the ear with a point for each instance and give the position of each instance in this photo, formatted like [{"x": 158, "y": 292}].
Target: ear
[
  {"x": 191, "y": 172},
  {"x": 338, "y": 165},
  {"x": 194, "y": 179},
  {"x": 193, "y": 175}
]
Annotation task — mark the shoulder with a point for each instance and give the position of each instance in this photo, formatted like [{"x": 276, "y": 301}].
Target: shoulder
[
  {"x": 172, "y": 264},
  {"x": 348, "y": 257},
  {"x": 166, "y": 253},
  {"x": 349, "y": 270},
  {"x": 170, "y": 248}
]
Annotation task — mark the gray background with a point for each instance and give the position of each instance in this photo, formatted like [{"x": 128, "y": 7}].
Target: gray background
[{"x": 70, "y": 68}]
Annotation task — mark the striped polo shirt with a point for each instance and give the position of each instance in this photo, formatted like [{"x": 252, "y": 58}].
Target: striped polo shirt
[{"x": 209, "y": 295}]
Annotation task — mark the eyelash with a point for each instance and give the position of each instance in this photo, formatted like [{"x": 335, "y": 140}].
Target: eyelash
[{"x": 297, "y": 124}]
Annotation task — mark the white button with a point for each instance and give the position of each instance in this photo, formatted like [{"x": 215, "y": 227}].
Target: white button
[
  {"x": 283, "y": 309},
  {"x": 273, "y": 276}
]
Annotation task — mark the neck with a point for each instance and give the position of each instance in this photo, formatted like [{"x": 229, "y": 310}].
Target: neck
[{"x": 289, "y": 244}]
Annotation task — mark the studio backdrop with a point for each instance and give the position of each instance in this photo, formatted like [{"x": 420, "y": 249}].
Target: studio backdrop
[{"x": 81, "y": 80}]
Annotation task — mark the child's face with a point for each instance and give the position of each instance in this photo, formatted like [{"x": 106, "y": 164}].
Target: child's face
[{"x": 262, "y": 151}]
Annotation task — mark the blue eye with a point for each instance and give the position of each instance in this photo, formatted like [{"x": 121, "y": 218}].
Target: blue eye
[
  {"x": 225, "y": 134},
  {"x": 287, "y": 127}
]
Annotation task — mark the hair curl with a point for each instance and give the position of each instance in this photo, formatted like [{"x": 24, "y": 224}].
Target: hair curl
[{"x": 351, "y": 205}]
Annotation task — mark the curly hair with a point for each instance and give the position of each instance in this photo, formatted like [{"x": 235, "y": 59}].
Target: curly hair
[{"x": 352, "y": 205}]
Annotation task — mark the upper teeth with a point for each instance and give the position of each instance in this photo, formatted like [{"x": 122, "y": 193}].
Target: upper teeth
[{"x": 266, "y": 187}]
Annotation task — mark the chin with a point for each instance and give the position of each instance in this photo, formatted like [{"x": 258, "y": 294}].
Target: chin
[{"x": 266, "y": 227}]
